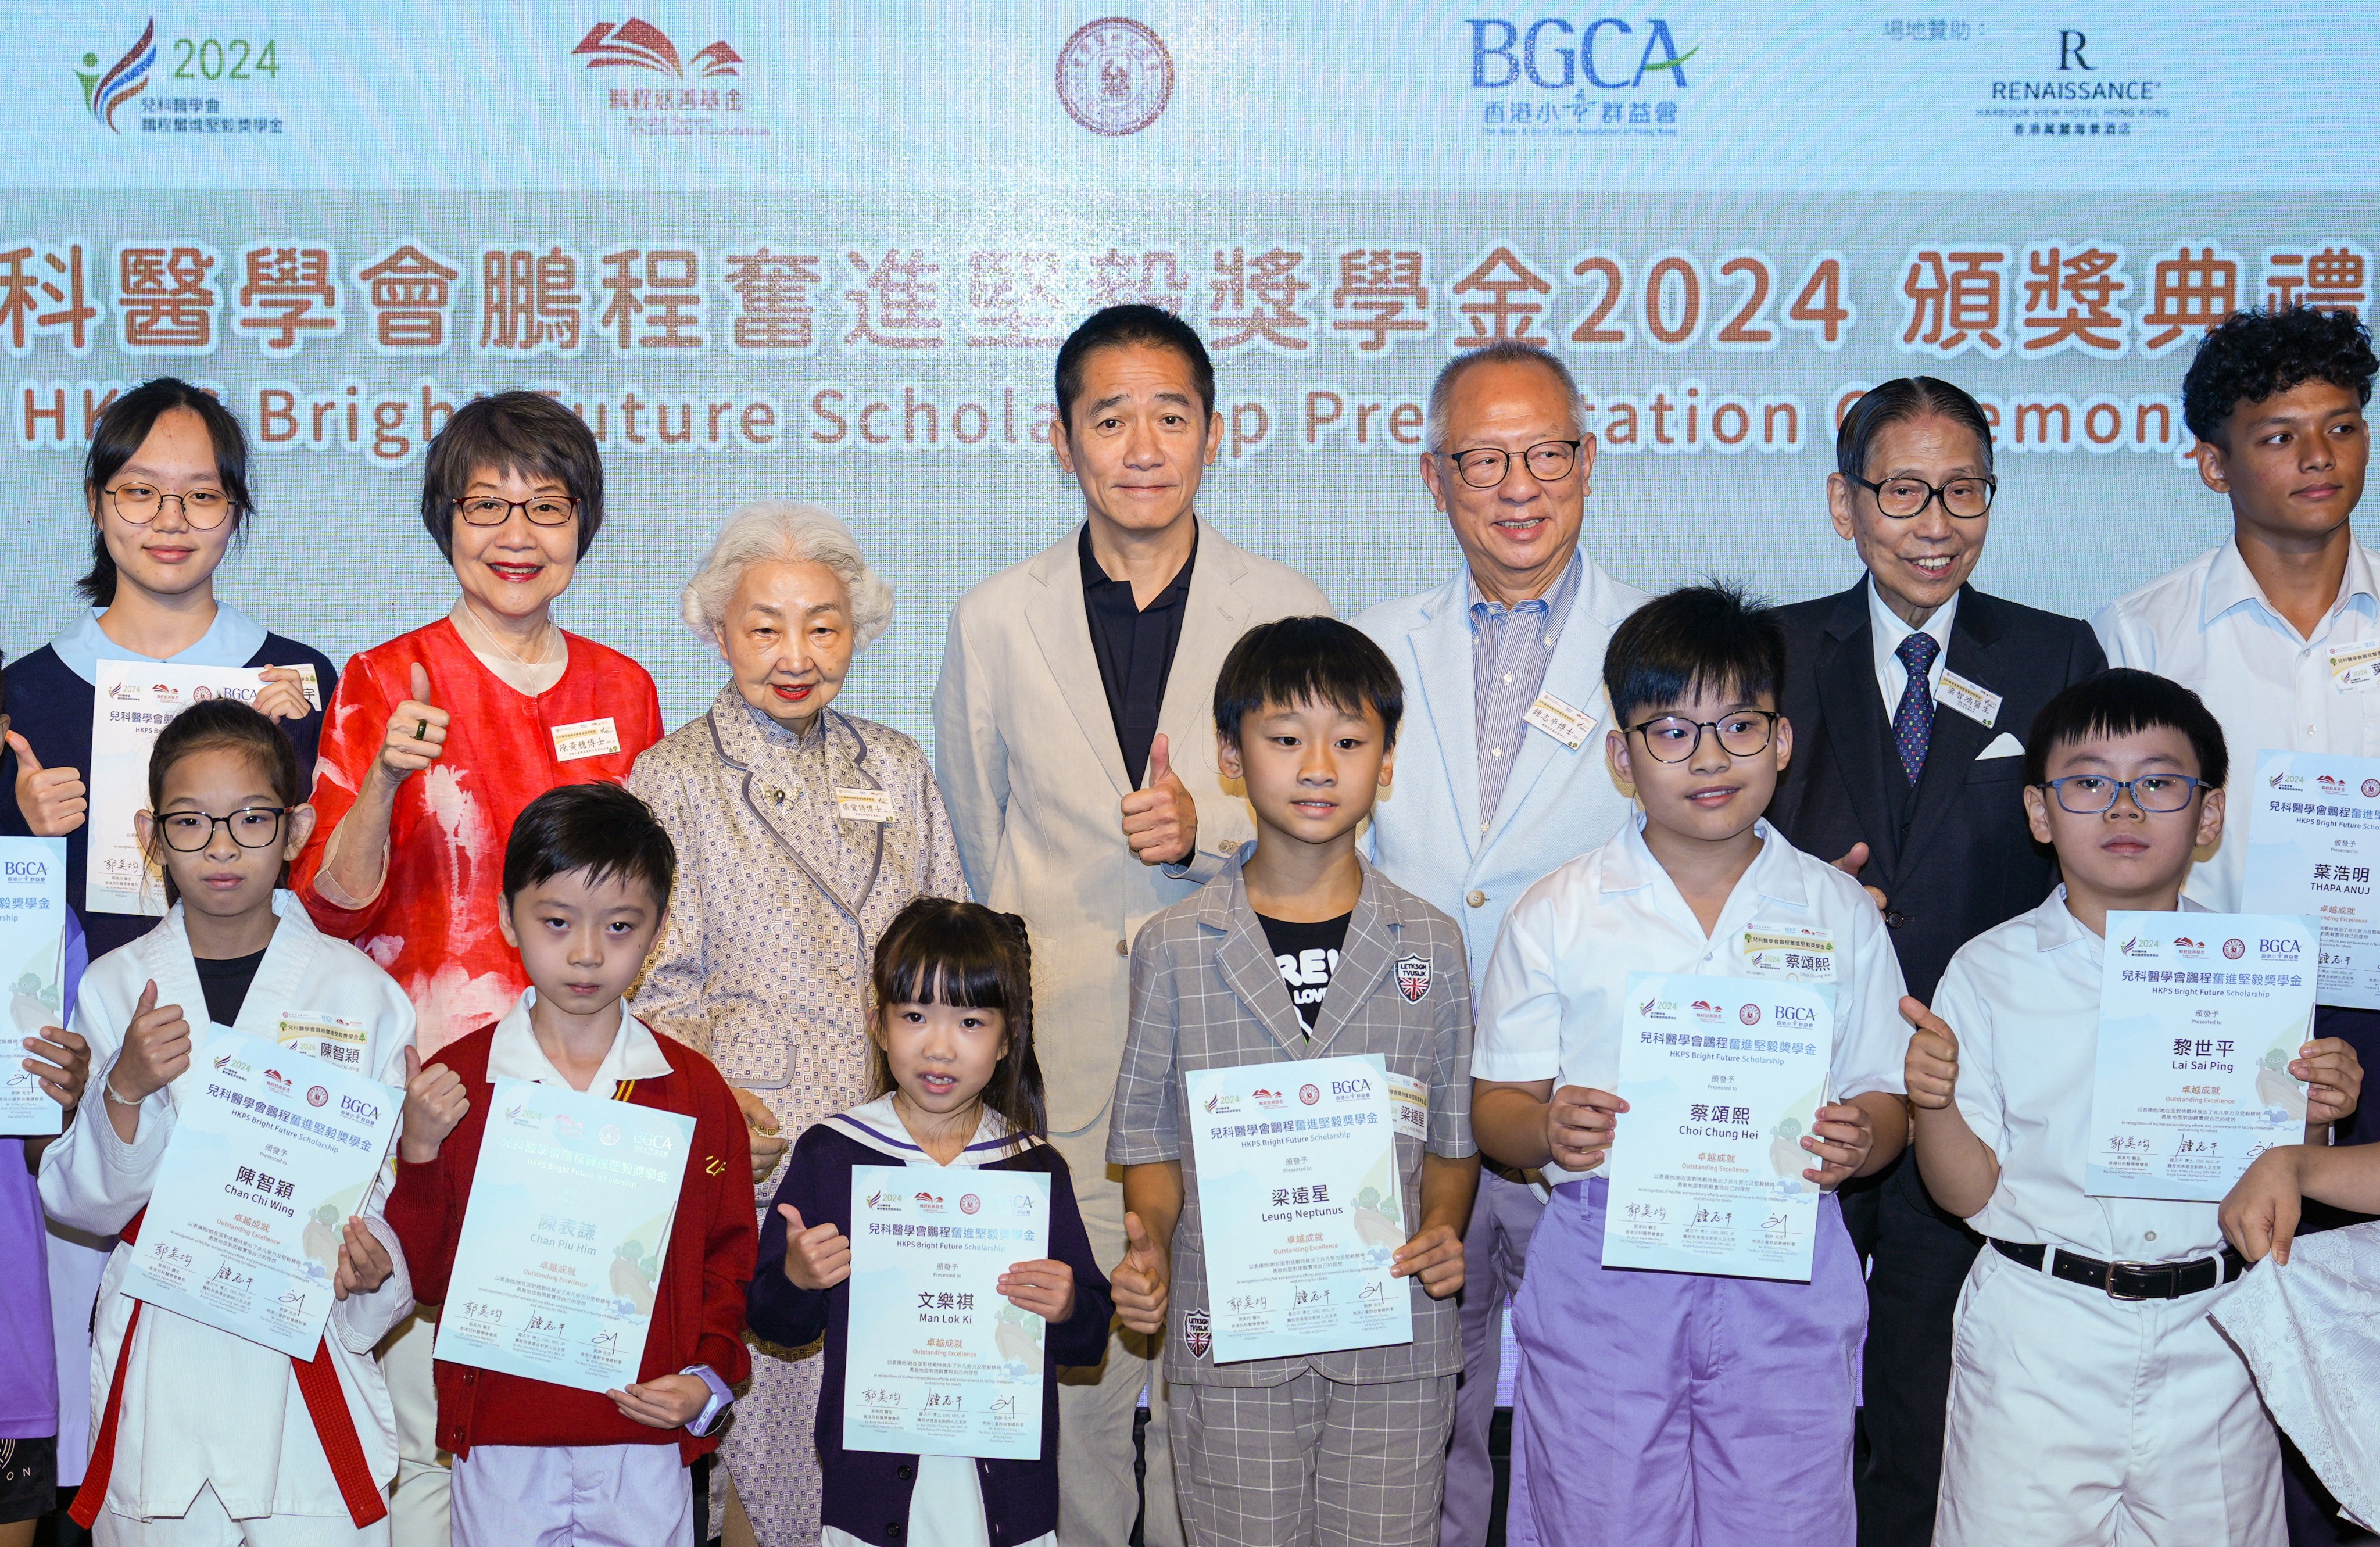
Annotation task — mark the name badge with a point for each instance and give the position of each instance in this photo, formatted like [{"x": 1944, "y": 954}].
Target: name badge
[
  {"x": 1409, "y": 1104},
  {"x": 2354, "y": 668},
  {"x": 588, "y": 738},
  {"x": 1978, "y": 702},
  {"x": 864, "y": 806},
  {"x": 331, "y": 1039},
  {"x": 1569, "y": 726},
  {"x": 309, "y": 684},
  {"x": 1784, "y": 951}
]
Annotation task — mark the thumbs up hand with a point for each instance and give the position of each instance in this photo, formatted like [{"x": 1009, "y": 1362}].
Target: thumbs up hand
[
  {"x": 156, "y": 1049},
  {"x": 817, "y": 1257},
  {"x": 1140, "y": 1280},
  {"x": 53, "y": 800},
  {"x": 1161, "y": 820},
  {"x": 434, "y": 1103},
  {"x": 417, "y": 733},
  {"x": 1931, "y": 1068}
]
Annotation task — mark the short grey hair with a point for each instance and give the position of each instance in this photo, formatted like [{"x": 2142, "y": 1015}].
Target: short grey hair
[
  {"x": 787, "y": 532},
  {"x": 1503, "y": 351}
]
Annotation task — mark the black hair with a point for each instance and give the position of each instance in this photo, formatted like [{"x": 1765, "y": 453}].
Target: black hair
[
  {"x": 2118, "y": 702},
  {"x": 1306, "y": 661},
  {"x": 1123, "y": 328},
  {"x": 116, "y": 440},
  {"x": 941, "y": 951},
  {"x": 225, "y": 725},
  {"x": 521, "y": 432},
  {"x": 1897, "y": 401},
  {"x": 2250, "y": 355},
  {"x": 599, "y": 828},
  {"x": 1712, "y": 636}
]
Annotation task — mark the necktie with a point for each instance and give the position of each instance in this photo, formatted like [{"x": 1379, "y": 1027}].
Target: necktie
[{"x": 1912, "y": 723}]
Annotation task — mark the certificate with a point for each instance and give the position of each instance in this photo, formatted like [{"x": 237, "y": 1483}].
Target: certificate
[
  {"x": 1722, "y": 1077},
  {"x": 32, "y": 958},
  {"x": 563, "y": 1237},
  {"x": 2314, "y": 844},
  {"x": 270, "y": 1152},
  {"x": 1301, "y": 1208},
  {"x": 938, "y": 1361},
  {"x": 132, "y": 702},
  {"x": 2199, "y": 1017}
]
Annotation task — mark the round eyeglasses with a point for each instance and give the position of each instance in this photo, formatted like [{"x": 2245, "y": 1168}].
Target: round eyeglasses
[
  {"x": 139, "y": 503},
  {"x": 1906, "y": 499},
  {"x": 2091, "y": 794},
  {"x": 1485, "y": 466},
  {"x": 1673, "y": 738},
  {"x": 251, "y": 826},
  {"x": 546, "y": 510}
]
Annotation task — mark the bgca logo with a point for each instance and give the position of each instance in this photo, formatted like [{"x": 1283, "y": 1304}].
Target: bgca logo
[
  {"x": 105, "y": 91},
  {"x": 1114, "y": 76},
  {"x": 1608, "y": 53}
]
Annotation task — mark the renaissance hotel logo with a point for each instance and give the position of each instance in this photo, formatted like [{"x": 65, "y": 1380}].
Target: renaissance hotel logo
[{"x": 1609, "y": 76}]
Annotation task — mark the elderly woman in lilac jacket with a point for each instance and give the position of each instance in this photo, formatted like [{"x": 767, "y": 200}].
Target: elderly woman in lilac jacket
[{"x": 801, "y": 831}]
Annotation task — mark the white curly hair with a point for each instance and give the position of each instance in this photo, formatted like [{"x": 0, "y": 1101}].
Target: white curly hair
[{"x": 785, "y": 531}]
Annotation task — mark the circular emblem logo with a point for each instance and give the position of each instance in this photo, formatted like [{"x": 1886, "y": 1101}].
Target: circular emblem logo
[
  {"x": 317, "y": 1096},
  {"x": 2372, "y": 789},
  {"x": 201, "y": 693},
  {"x": 2234, "y": 949},
  {"x": 1308, "y": 1094},
  {"x": 1749, "y": 1015},
  {"x": 1114, "y": 76},
  {"x": 609, "y": 1133},
  {"x": 969, "y": 1203}
]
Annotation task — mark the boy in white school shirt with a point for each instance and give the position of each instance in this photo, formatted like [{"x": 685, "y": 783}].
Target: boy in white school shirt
[
  {"x": 2091, "y": 1400},
  {"x": 1655, "y": 1408}
]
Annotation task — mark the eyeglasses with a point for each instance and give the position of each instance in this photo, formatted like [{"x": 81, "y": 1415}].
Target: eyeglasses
[
  {"x": 1485, "y": 466},
  {"x": 251, "y": 826},
  {"x": 1905, "y": 498},
  {"x": 2090, "y": 794},
  {"x": 137, "y": 503},
  {"x": 1673, "y": 738},
  {"x": 546, "y": 510}
]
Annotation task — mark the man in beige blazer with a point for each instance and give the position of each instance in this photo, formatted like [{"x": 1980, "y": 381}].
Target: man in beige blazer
[{"x": 1074, "y": 741}]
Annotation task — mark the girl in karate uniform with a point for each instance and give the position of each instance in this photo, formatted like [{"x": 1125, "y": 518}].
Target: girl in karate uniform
[{"x": 203, "y": 1439}]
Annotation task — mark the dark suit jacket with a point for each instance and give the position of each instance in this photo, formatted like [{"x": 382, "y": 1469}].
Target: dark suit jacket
[{"x": 1956, "y": 858}]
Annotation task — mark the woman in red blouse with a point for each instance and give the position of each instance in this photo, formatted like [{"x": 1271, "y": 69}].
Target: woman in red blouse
[{"x": 436, "y": 740}]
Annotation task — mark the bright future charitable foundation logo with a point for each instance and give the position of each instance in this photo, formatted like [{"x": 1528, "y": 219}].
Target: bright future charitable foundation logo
[
  {"x": 638, "y": 44},
  {"x": 105, "y": 92},
  {"x": 1114, "y": 76}
]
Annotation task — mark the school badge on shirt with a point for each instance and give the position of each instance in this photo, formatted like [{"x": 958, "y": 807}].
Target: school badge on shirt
[
  {"x": 1195, "y": 1335},
  {"x": 1412, "y": 977}
]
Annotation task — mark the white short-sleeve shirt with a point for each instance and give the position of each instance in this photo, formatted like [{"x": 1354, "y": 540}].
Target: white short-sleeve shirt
[
  {"x": 2023, "y": 999},
  {"x": 2208, "y": 626},
  {"x": 1550, "y": 1004}
]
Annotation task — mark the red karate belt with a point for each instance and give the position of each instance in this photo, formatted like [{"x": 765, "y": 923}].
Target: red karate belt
[{"x": 318, "y": 1382}]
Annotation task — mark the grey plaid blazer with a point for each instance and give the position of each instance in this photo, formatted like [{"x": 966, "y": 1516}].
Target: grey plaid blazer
[{"x": 1205, "y": 994}]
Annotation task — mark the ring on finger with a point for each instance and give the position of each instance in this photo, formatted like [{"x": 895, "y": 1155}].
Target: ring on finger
[{"x": 421, "y": 730}]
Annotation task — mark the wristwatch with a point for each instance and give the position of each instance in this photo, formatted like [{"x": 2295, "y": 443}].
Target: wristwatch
[{"x": 721, "y": 1397}]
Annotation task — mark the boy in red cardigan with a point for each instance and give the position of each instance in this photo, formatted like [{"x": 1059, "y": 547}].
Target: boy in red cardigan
[{"x": 587, "y": 883}]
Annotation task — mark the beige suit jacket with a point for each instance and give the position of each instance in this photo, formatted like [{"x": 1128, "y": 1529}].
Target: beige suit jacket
[{"x": 1033, "y": 776}]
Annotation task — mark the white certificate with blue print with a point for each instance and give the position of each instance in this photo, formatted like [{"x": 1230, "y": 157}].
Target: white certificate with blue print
[
  {"x": 2200, "y": 1015},
  {"x": 32, "y": 964},
  {"x": 936, "y": 1362},
  {"x": 1723, "y": 1077},
  {"x": 1301, "y": 1207},
  {"x": 270, "y": 1152},
  {"x": 568, "y": 1220},
  {"x": 2314, "y": 849}
]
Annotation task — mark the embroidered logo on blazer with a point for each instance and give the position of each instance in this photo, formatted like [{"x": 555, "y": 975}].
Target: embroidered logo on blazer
[
  {"x": 713, "y": 1166},
  {"x": 1194, "y": 1333},
  {"x": 1412, "y": 977}
]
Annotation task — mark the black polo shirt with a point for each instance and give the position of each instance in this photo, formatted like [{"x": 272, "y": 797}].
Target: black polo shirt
[{"x": 1136, "y": 648}]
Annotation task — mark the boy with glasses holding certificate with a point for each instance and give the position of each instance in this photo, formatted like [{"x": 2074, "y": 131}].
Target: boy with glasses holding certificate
[
  {"x": 1714, "y": 1407},
  {"x": 1340, "y": 1438},
  {"x": 2090, "y": 1401}
]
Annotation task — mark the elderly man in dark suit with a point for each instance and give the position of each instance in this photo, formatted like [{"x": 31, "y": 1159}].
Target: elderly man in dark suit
[{"x": 1910, "y": 696}]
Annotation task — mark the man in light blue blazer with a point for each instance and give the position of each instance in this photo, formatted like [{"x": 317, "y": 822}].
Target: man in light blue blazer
[{"x": 1500, "y": 775}]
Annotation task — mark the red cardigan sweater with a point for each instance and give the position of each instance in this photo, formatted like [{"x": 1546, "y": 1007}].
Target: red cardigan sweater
[{"x": 698, "y": 1306}]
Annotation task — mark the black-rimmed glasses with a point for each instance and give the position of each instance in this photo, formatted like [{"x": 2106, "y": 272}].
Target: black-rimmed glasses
[
  {"x": 1906, "y": 499},
  {"x": 251, "y": 826},
  {"x": 546, "y": 510},
  {"x": 139, "y": 505},
  {"x": 1485, "y": 466},
  {"x": 1673, "y": 738},
  {"x": 2092, "y": 795}
]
